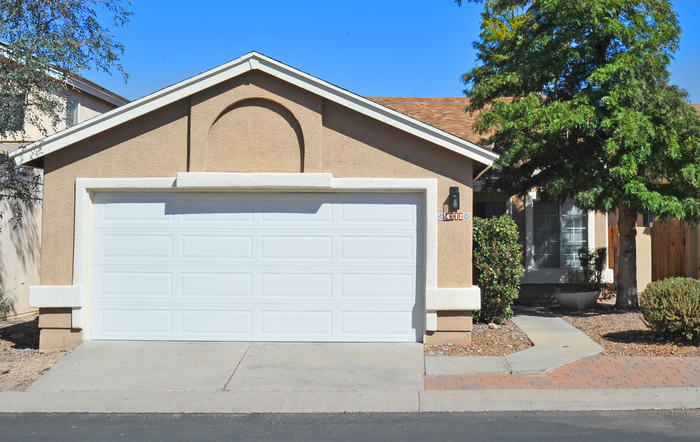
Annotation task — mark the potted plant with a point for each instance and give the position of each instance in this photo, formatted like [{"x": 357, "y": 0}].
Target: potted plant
[{"x": 589, "y": 278}]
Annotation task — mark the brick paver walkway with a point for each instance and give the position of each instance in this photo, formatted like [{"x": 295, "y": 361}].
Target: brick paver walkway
[{"x": 597, "y": 372}]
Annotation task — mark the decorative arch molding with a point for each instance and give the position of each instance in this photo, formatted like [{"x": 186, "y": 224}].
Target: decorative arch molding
[{"x": 255, "y": 135}]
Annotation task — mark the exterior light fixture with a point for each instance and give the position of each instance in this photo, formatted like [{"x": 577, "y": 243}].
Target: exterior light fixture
[{"x": 453, "y": 202}]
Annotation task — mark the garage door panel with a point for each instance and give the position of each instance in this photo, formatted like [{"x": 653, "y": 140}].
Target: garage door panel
[
  {"x": 400, "y": 248},
  {"x": 399, "y": 215},
  {"x": 137, "y": 284},
  {"x": 372, "y": 323},
  {"x": 297, "y": 247},
  {"x": 296, "y": 322},
  {"x": 285, "y": 267},
  {"x": 287, "y": 210},
  {"x": 216, "y": 247},
  {"x": 143, "y": 211},
  {"x": 216, "y": 322},
  {"x": 136, "y": 322},
  {"x": 214, "y": 210},
  {"x": 216, "y": 284},
  {"x": 136, "y": 247},
  {"x": 376, "y": 286},
  {"x": 294, "y": 285}
]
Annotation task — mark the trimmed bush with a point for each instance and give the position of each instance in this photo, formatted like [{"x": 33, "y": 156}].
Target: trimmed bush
[
  {"x": 497, "y": 267},
  {"x": 672, "y": 306}
]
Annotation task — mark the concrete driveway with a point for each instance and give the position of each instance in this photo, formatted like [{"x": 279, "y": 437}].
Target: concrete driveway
[{"x": 236, "y": 366}]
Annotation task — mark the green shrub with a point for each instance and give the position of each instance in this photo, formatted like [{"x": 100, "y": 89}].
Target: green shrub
[
  {"x": 672, "y": 306},
  {"x": 497, "y": 267}
]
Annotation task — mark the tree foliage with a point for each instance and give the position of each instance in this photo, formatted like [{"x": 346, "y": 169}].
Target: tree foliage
[
  {"x": 44, "y": 42},
  {"x": 575, "y": 97}
]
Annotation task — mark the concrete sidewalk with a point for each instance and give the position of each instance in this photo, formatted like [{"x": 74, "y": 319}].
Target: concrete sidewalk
[
  {"x": 555, "y": 343},
  {"x": 165, "y": 377}
]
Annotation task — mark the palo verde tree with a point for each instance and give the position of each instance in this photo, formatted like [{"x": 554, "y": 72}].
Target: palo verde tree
[
  {"x": 575, "y": 97},
  {"x": 42, "y": 43}
]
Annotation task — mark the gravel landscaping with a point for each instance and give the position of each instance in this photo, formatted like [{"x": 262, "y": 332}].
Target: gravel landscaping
[
  {"x": 21, "y": 362},
  {"x": 624, "y": 333},
  {"x": 619, "y": 332}
]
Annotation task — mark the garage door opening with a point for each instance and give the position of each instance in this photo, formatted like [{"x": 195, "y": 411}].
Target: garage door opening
[{"x": 326, "y": 267}]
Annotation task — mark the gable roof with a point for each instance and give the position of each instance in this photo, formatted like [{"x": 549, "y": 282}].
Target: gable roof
[
  {"x": 445, "y": 113},
  {"x": 246, "y": 63}
]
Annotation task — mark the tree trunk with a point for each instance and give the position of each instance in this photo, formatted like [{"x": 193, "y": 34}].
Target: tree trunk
[{"x": 627, "y": 269}]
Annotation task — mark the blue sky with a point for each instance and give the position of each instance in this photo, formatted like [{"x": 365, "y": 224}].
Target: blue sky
[{"x": 373, "y": 48}]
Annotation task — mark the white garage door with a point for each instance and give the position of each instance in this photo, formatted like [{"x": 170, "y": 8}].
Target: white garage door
[{"x": 263, "y": 267}]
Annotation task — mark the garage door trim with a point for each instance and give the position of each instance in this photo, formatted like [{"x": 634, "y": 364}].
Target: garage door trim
[{"x": 241, "y": 182}]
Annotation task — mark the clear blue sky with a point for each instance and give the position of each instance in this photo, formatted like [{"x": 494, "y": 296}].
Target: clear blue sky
[{"x": 370, "y": 47}]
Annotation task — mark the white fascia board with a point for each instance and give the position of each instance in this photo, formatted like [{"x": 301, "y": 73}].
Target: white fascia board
[
  {"x": 235, "y": 68},
  {"x": 96, "y": 90}
]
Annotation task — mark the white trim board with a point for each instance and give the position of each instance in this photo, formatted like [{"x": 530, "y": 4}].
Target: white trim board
[
  {"x": 249, "y": 62},
  {"x": 444, "y": 298}
]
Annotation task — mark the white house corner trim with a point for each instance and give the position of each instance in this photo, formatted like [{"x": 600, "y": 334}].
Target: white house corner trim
[{"x": 445, "y": 299}]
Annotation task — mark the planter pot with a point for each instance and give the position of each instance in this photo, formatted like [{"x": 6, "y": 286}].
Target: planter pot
[{"x": 577, "y": 300}]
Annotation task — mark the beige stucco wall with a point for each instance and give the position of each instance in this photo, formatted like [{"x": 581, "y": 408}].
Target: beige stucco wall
[
  {"x": 154, "y": 145},
  {"x": 20, "y": 249},
  {"x": 254, "y": 123}
]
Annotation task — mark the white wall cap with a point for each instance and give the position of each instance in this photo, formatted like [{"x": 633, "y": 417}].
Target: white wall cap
[
  {"x": 467, "y": 298},
  {"x": 55, "y": 296},
  {"x": 270, "y": 181}
]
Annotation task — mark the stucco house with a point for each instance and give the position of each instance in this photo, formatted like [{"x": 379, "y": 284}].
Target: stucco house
[
  {"x": 256, "y": 202},
  {"x": 20, "y": 246}
]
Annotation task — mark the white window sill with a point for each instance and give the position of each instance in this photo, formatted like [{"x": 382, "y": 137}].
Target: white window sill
[{"x": 555, "y": 276}]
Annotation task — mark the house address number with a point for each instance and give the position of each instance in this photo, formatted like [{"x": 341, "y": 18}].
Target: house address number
[{"x": 453, "y": 216}]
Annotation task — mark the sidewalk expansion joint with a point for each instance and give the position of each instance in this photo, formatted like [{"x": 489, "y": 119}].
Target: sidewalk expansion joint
[
  {"x": 505, "y": 362},
  {"x": 236, "y": 367}
]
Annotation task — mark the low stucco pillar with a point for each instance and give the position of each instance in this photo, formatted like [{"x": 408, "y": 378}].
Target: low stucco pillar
[
  {"x": 56, "y": 329},
  {"x": 453, "y": 327}
]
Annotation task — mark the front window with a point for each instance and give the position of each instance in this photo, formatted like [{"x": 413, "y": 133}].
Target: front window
[
  {"x": 559, "y": 231},
  {"x": 72, "y": 112},
  {"x": 13, "y": 111},
  {"x": 490, "y": 209}
]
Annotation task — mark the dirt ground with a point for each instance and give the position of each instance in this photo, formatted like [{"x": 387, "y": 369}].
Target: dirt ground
[{"x": 21, "y": 362}]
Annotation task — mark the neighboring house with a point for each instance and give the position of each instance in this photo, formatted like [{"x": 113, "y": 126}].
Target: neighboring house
[
  {"x": 255, "y": 202},
  {"x": 20, "y": 246},
  {"x": 551, "y": 233}
]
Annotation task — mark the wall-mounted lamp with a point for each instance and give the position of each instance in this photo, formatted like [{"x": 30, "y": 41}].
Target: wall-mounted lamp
[{"x": 453, "y": 202}]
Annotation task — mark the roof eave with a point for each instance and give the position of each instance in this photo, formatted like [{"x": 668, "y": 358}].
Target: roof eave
[{"x": 246, "y": 63}]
